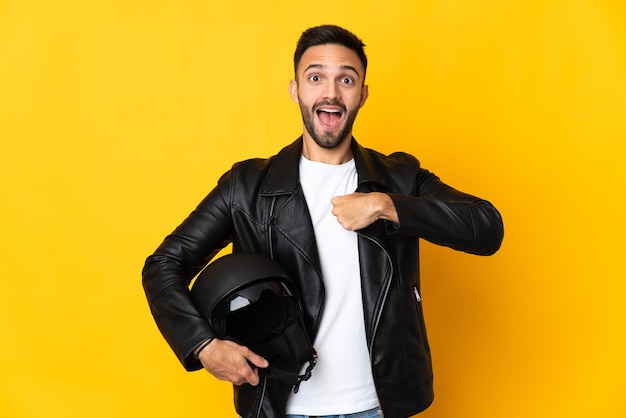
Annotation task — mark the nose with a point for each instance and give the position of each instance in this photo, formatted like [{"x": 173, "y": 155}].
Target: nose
[{"x": 331, "y": 90}]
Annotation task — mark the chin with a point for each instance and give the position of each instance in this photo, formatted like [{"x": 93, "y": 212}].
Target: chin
[{"x": 329, "y": 143}]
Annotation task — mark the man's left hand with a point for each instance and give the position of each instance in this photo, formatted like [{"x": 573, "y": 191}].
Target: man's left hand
[{"x": 358, "y": 210}]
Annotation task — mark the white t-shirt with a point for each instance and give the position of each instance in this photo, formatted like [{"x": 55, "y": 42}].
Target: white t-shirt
[{"x": 342, "y": 380}]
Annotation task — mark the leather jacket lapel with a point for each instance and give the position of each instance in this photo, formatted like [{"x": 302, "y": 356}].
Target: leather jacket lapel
[{"x": 289, "y": 215}]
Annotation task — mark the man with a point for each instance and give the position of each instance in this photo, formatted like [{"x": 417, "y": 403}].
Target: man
[{"x": 344, "y": 222}]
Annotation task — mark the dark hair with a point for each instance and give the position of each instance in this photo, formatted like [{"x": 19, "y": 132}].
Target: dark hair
[{"x": 328, "y": 34}]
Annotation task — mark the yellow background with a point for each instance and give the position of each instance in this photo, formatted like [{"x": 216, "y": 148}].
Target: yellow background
[{"x": 117, "y": 117}]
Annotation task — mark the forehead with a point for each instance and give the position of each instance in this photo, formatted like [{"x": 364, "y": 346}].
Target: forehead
[{"x": 330, "y": 56}]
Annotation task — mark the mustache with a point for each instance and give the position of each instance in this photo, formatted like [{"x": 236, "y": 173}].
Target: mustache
[{"x": 336, "y": 103}]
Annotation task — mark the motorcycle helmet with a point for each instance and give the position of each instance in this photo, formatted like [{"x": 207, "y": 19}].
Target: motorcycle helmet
[{"x": 249, "y": 299}]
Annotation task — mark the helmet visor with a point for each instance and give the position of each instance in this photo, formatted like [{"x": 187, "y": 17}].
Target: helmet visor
[{"x": 254, "y": 314}]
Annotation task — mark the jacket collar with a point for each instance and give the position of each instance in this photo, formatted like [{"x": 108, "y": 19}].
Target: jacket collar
[{"x": 283, "y": 176}]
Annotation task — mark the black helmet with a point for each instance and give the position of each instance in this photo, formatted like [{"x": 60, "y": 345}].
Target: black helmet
[{"x": 249, "y": 299}]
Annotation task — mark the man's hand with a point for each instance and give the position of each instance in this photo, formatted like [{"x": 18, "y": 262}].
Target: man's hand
[
  {"x": 357, "y": 210},
  {"x": 227, "y": 360}
]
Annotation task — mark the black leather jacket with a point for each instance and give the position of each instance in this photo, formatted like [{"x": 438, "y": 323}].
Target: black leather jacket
[{"x": 259, "y": 206}]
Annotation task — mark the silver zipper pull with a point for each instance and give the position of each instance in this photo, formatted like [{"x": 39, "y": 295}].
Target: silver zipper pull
[{"x": 417, "y": 294}]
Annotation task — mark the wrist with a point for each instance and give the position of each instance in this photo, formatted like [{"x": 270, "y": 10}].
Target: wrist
[
  {"x": 204, "y": 344},
  {"x": 386, "y": 208}
]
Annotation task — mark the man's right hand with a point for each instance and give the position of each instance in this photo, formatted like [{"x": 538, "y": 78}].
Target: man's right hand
[{"x": 227, "y": 360}]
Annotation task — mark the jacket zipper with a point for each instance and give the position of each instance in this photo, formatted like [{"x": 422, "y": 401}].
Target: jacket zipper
[
  {"x": 258, "y": 412},
  {"x": 269, "y": 232},
  {"x": 382, "y": 305},
  {"x": 271, "y": 250}
]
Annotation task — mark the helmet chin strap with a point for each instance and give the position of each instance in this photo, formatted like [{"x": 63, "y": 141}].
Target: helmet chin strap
[
  {"x": 292, "y": 378},
  {"x": 307, "y": 373}
]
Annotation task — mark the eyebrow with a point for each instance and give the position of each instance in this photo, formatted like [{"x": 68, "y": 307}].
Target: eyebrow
[{"x": 343, "y": 67}]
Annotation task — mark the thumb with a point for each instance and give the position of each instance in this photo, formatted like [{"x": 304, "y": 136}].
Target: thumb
[{"x": 257, "y": 360}]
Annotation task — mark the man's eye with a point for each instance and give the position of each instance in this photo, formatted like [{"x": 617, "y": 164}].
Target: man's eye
[
  {"x": 314, "y": 78},
  {"x": 347, "y": 80}
]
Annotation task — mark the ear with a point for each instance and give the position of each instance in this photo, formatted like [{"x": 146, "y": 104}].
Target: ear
[
  {"x": 365, "y": 91},
  {"x": 293, "y": 91}
]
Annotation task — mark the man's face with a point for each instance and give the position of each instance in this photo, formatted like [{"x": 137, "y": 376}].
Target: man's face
[{"x": 330, "y": 91}]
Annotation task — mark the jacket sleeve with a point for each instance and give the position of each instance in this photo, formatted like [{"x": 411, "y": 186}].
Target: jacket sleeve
[
  {"x": 442, "y": 215},
  {"x": 168, "y": 272}
]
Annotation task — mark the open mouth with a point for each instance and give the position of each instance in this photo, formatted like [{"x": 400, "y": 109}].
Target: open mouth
[{"x": 329, "y": 117}]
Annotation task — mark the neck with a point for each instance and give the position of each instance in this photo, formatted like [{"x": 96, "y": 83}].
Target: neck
[{"x": 342, "y": 153}]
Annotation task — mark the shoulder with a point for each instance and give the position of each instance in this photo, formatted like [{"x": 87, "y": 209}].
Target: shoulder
[
  {"x": 396, "y": 163},
  {"x": 400, "y": 171},
  {"x": 249, "y": 171},
  {"x": 252, "y": 165},
  {"x": 283, "y": 163}
]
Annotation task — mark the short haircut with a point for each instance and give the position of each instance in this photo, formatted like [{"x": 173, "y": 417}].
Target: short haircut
[{"x": 329, "y": 34}]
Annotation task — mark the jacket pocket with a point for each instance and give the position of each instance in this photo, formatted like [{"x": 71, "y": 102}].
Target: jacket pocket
[{"x": 420, "y": 318}]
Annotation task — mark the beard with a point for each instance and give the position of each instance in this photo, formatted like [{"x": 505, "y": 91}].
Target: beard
[{"x": 323, "y": 138}]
